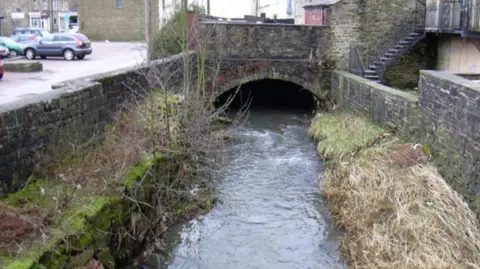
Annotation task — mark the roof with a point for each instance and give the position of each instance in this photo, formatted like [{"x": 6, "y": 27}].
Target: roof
[{"x": 314, "y": 3}]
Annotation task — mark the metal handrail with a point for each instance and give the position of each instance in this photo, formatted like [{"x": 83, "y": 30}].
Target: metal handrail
[
  {"x": 356, "y": 66},
  {"x": 368, "y": 55}
]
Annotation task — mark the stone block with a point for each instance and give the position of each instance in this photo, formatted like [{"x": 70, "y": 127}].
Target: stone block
[{"x": 23, "y": 66}]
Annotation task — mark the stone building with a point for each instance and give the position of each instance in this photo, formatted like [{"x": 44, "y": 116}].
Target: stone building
[
  {"x": 124, "y": 20},
  {"x": 116, "y": 20},
  {"x": 52, "y": 15}
]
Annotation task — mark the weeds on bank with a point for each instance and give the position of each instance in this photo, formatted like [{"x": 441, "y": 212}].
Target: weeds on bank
[
  {"x": 154, "y": 154},
  {"x": 343, "y": 135},
  {"x": 397, "y": 210},
  {"x": 157, "y": 150}
]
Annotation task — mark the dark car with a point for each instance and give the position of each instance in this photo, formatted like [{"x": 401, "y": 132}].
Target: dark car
[
  {"x": 67, "y": 45},
  {"x": 25, "y": 39},
  {"x": 31, "y": 31}
]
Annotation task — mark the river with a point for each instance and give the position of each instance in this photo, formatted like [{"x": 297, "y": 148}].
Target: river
[{"x": 270, "y": 214}]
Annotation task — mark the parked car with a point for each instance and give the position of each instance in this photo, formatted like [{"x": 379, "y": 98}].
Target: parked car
[
  {"x": 14, "y": 47},
  {"x": 31, "y": 31},
  {"x": 67, "y": 45},
  {"x": 3, "y": 53},
  {"x": 25, "y": 39}
]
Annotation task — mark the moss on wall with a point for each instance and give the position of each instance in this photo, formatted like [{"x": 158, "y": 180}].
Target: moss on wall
[
  {"x": 405, "y": 72},
  {"x": 87, "y": 228}
]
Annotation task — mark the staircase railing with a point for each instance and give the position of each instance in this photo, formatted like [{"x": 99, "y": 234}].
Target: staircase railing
[
  {"x": 356, "y": 65},
  {"x": 375, "y": 51}
]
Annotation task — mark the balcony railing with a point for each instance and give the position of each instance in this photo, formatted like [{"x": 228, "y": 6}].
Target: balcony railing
[{"x": 444, "y": 16}]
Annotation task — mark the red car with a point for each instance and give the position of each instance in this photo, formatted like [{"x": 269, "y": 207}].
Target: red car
[
  {"x": 3, "y": 53},
  {"x": 1, "y": 69}
]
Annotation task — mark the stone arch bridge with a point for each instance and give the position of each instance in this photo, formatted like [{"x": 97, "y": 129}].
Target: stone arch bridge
[{"x": 241, "y": 53}]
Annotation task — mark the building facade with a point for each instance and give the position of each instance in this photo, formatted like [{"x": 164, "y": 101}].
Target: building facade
[
  {"x": 51, "y": 15},
  {"x": 116, "y": 20},
  {"x": 124, "y": 20},
  {"x": 216, "y": 8}
]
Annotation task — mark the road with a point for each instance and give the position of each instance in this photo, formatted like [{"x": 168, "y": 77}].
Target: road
[{"x": 105, "y": 57}]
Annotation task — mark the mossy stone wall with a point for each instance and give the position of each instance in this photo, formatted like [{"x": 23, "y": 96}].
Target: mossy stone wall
[
  {"x": 384, "y": 105},
  {"x": 446, "y": 116},
  {"x": 37, "y": 129},
  {"x": 450, "y": 107}
]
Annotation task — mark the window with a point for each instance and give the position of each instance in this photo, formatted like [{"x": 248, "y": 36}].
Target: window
[
  {"x": 54, "y": 4},
  {"x": 65, "y": 5},
  {"x": 35, "y": 4},
  {"x": 48, "y": 38},
  {"x": 55, "y": 21},
  {"x": 44, "y": 5},
  {"x": 34, "y": 22},
  {"x": 59, "y": 38},
  {"x": 119, "y": 3}
]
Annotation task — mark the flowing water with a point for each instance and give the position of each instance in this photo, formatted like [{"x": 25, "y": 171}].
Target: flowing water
[{"x": 271, "y": 214}]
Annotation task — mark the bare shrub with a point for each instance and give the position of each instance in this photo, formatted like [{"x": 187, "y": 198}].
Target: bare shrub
[{"x": 157, "y": 156}]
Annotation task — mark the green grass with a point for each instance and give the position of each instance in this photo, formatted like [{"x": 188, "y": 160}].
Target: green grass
[{"x": 341, "y": 135}]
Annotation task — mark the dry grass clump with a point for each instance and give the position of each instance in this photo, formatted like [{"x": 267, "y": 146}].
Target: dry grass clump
[
  {"x": 17, "y": 224},
  {"x": 92, "y": 264},
  {"x": 397, "y": 212}
]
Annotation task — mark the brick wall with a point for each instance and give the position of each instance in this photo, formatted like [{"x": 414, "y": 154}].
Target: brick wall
[
  {"x": 314, "y": 16},
  {"x": 101, "y": 20},
  {"x": 450, "y": 107},
  {"x": 382, "y": 104},
  {"x": 36, "y": 130}
]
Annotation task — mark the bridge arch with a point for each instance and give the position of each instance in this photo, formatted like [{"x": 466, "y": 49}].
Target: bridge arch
[
  {"x": 272, "y": 90},
  {"x": 236, "y": 82}
]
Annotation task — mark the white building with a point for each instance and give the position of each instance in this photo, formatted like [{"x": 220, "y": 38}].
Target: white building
[
  {"x": 282, "y": 9},
  {"x": 218, "y": 8}
]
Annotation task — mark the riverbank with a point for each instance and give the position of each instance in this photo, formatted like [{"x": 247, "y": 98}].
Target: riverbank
[
  {"x": 396, "y": 209},
  {"x": 106, "y": 203}
]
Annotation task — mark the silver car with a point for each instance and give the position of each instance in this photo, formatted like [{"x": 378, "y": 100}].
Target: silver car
[{"x": 67, "y": 45}]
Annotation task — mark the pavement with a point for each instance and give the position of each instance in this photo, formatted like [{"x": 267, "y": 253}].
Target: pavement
[{"x": 106, "y": 57}]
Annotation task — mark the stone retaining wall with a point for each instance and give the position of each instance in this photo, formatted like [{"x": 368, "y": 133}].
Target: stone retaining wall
[
  {"x": 446, "y": 116},
  {"x": 382, "y": 104},
  {"x": 470, "y": 76},
  {"x": 38, "y": 129},
  {"x": 450, "y": 107}
]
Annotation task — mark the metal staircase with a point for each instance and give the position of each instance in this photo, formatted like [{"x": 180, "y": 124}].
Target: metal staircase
[
  {"x": 375, "y": 71},
  {"x": 372, "y": 62}
]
